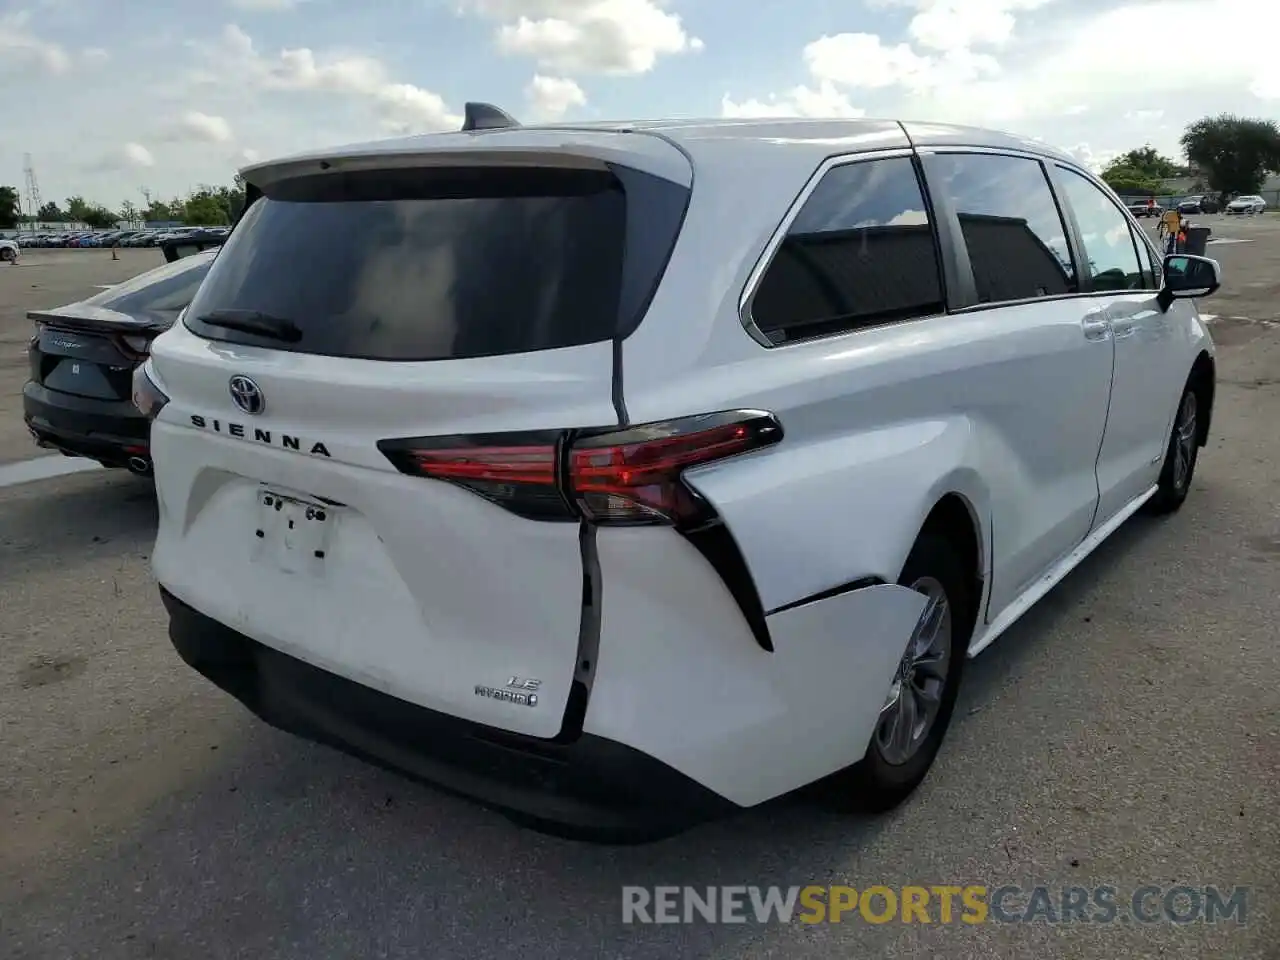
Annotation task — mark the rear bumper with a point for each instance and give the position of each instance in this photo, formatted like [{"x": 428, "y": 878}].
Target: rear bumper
[
  {"x": 110, "y": 431},
  {"x": 594, "y": 787}
]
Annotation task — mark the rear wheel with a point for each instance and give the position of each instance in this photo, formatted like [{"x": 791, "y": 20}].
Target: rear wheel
[
  {"x": 1181, "y": 454},
  {"x": 922, "y": 693}
]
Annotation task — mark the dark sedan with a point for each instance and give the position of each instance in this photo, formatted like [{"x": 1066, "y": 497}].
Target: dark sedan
[{"x": 79, "y": 398}]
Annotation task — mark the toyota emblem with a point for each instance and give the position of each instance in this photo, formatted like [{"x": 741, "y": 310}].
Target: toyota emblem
[{"x": 247, "y": 395}]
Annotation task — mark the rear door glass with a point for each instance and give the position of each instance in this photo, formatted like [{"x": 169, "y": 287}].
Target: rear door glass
[{"x": 441, "y": 264}]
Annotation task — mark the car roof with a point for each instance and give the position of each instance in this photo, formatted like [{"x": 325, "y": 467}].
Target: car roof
[{"x": 700, "y": 140}]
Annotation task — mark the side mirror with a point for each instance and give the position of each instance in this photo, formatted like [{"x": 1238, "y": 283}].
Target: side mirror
[{"x": 1188, "y": 277}]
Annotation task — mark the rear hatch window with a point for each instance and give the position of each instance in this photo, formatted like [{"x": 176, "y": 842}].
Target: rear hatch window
[{"x": 443, "y": 263}]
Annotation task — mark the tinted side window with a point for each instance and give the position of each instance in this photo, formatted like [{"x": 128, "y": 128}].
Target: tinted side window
[
  {"x": 860, "y": 252},
  {"x": 1104, "y": 230},
  {"x": 1017, "y": 244}
]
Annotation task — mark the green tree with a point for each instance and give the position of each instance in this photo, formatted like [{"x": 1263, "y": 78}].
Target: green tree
[
  {"x": 76, "y": 208},
  {"x": 50, "y": 213},
  {"x": 204, "y": 208},
  {"x": 128, "y": 212},
  {"x": 1235, "y": 153},
  {"x": 10, "y": 208},
  {"x": 158, "y": 210},
  {"x": 1148, "y": 161},
  {"x": 98, "y": 217},
  {"x": 1131, "y": 182}
]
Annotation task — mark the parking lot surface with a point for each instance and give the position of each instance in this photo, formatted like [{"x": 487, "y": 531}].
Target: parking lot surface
[{"x": 1126, "y": 732}]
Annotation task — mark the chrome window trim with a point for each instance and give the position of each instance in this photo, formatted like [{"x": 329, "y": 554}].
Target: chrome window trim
[{"x": 765, "y": 260}]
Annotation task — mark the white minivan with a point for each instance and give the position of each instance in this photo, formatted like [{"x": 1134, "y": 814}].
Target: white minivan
[{"x": 621, "y": 475}]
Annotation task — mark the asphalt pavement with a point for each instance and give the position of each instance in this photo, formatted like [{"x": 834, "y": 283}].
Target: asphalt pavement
[{"x": 1125, "y": 733}]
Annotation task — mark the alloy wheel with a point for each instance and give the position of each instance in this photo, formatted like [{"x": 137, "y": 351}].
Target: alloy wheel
[
  {"x": 1184, "y": 441},
  {"x": 915, "y": 695}
]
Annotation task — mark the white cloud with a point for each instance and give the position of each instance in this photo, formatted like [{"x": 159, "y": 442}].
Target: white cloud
[
  {"x": 551, "y": 98},
  {"x": 864, "y": 61},
  {"x": 95, "y": 55},
  {"x": 823, "y": 101},
  {"x": 1144, "y": 117},
  {"x": 20, "y": 46},
  {"x": 616, "y": 37},
  {"x": 1090, "y": 158},
  {"x": 204, "y": 127},
  {"x": 1091, "y": 59},
  {"x": 961, "y": 24},
  {"x": 1002, "y": 63},
  {"x": 136, "y": 155},
  {"x": 404, "y": 107}
]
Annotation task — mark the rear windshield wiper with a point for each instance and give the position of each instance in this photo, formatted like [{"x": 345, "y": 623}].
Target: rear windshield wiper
[{"x": 255, "y": 322}]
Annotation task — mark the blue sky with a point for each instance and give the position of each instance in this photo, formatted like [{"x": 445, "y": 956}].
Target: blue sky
[{"x": 114, "y": 96}]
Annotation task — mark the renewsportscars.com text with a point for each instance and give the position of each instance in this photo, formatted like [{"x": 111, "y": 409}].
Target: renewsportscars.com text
[{"x": 937, "y": 903}]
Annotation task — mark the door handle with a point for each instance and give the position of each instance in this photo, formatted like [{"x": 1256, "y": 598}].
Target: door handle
[
  {"x": 1096, "y": 325},
  {"x": 1123, "y": 327}
]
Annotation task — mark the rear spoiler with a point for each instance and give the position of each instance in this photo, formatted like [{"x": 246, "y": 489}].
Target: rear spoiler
[{"x": 84, "y": 316}]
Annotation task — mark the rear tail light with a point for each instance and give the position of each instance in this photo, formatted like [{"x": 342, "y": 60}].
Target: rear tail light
[
  {"x": 147, "y": 397},
  {"x": 518, "y": 471},
  {"x": 629, "y": 476},
  {"x": 634, "y": 476},
  {"x": 135, "y": 345}
]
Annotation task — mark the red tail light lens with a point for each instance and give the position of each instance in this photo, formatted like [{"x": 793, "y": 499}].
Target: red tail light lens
[
  {"x": 630, "y": 476},
  {"x": 515, "y": 471},
  {"x": 634, "y": 475}
]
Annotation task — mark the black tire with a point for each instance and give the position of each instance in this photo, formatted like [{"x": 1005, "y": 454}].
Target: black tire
[
  {"x": 1175, "y": 478},
  {"x": 874, "y": 784},
  {"x": 7, "y": 255}
]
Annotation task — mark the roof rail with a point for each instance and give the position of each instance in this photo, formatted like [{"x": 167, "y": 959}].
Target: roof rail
[{"x": 485, "y": 116}]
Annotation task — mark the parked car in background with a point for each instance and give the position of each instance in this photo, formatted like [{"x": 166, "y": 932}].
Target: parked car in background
[
  {"x": 717, "y": 455},
  {"x": 82, "y": 358},
  {"x": 1143, "y": 208},
  {"x": 1249, "y": 204},
  {"x": 1198, "y": 204}
]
